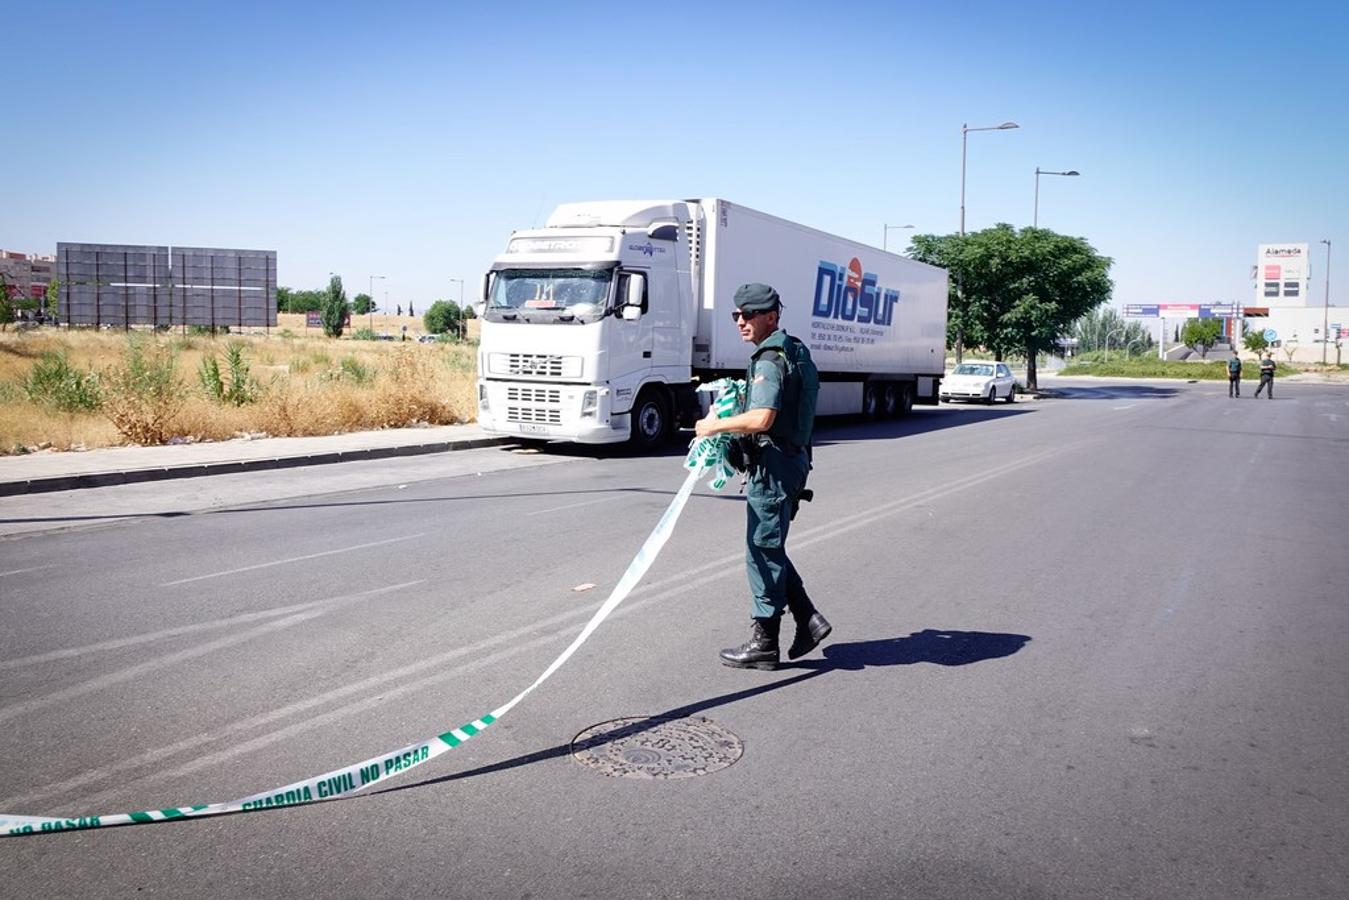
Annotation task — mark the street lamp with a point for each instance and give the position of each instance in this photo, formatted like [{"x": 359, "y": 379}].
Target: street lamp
[
  {"x": 1325, "y": 313},
  {"x": 1035, "y": 223},
  {"x": 1107, "y": 341},
  {"x": 965, "y": 130},
  {"x": 463, "y": 325},
  {"x": 372, "y": 300},
  {"x": 885, "y": 245}
]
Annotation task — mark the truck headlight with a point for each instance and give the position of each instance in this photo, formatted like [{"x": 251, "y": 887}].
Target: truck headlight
[
  {"x": 482, "y": 397},
  {"x": 590, "y": 404}
]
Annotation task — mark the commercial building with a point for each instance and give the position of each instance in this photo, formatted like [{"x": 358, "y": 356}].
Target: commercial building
[
  {"x": 27, "y": 274},
  {"x": 1290, "y": 304}
]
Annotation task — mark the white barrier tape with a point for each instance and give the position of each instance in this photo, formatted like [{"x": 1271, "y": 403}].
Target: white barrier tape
[{"x": 357, "y": 777}]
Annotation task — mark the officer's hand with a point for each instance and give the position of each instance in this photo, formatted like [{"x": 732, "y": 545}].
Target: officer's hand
[{"x": 705, "y": 426}]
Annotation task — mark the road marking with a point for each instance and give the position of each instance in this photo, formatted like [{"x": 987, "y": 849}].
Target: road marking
[
  {"x": 33, "y": 569},
  {"x": 395, "y": 683},
  {"x": 1125, "y": 406},
  {"x": 118, "y": 643},
  {"x": 540, "y": 512},
  {"x": 282, "y": 562}
]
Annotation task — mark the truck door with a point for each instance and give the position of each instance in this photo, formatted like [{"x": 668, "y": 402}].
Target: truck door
[{"x": 630, "y": 352}]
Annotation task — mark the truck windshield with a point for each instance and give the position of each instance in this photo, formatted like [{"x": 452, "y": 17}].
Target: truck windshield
[{"x": 536, "y": 295}]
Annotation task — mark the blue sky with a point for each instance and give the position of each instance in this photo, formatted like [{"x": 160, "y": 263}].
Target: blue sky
[{"x": 409, "y": 139}]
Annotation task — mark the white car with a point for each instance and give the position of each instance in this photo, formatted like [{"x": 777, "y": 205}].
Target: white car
[{"x": 986, "y": 381}]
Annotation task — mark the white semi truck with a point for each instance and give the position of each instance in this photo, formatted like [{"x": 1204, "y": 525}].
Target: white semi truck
[{"x": 600, "y": 326}]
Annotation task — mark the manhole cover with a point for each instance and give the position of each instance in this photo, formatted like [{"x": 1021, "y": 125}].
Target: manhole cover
[{"x": 656, "y": 747}]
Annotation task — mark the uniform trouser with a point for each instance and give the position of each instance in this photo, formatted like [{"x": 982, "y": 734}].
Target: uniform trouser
[
  {"x": 775, "y": 486},
  {"x": 1266, "y": 381},
  {"x": 1234, "y": 385}
]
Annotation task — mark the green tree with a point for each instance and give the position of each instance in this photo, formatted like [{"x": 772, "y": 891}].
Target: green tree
[
  {"x": 1020, "y": 290},
  {"x": 362, "y": 304},
  {"x": 53, "y": 298},
  {"x": 443, "y": 317},
  {"x": 1201, "y": 334},
  {"x": 1254, "y": 341},
  {"x": 335, "y": 309},
  {"x": 946, "y": 251},
  {"x": 6, "y": 305},
  {"x": 283, "y": 299},
  {"x": 1096, "y": 327}
]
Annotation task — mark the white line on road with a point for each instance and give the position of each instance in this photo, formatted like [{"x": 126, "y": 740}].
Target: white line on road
[
  {"x": 1125, "y": 406},
  {"x": 282, "y": 562},
  {"x": 539, "y": 512},
  {"x": 118, "y": 643},
  {"x": 33, "y": 569},
  {"x": 394, "y": 683}
]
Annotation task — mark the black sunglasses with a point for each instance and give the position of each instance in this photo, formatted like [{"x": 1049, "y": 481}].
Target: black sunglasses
[{"x": 747, "y": 315}]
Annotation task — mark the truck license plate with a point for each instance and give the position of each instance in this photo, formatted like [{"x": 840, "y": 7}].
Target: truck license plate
[{"x": 533, "y": 429}]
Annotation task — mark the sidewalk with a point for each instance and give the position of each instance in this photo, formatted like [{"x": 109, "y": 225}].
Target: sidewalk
[{"x": 63, "y": 471}]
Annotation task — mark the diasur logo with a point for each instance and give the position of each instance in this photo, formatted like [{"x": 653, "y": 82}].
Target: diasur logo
[
  {"x": 647, "y": 249},
  {"x": 847, "y": 293}
]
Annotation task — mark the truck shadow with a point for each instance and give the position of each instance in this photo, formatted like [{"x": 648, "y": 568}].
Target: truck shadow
[{"x": 936, "y": 646}]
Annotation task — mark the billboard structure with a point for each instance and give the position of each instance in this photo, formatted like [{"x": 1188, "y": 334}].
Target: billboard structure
[
  {"x": 122, "y": 285},
  {"x": 1282, "y": 275}
]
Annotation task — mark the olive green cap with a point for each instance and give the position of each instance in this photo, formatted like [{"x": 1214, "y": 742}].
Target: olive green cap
[{"x": 756, "y": 297}]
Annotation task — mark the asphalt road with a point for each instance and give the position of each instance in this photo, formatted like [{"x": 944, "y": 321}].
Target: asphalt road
[{"x": 1085, "y": 647}]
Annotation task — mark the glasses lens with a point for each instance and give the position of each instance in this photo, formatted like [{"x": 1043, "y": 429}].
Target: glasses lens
[{"x": 737, "y": 315}]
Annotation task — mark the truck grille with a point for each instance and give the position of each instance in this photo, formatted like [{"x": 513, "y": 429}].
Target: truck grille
[
  {"x": 533, "y": 395},
  {"x": 534, "y": 364},
  {"x": 533, "y": 415}
]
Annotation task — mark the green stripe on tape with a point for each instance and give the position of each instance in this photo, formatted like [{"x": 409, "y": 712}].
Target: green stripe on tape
[
  {"x": 141, "y": 817},
  {"x": 449, "y": 738},
  {"x": 468, "y": 729},
  {"x": 171, "y": 813},
  {"x": 488, "y": 719}
]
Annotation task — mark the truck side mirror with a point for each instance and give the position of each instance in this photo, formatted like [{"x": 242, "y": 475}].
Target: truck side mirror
[
  {"x": 486, "y": 287},
  {"x": 632, "y": 303}
]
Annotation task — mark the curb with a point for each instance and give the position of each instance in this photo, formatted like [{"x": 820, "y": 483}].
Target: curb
[{"x": 230, "y": 467}]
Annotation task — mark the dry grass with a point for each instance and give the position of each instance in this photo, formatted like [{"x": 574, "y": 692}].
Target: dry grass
[{"x": 310, "y": 386}]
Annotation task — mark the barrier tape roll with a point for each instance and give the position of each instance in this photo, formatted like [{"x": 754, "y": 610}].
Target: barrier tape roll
[{"x": 705, "y": 454}]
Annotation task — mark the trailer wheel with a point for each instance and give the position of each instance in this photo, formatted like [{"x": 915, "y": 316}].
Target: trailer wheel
[
  {"x": 890, "y": 400},
  {"x": 905, "y": 399},
  {"x": 871, "y": 402},
  {"x": 650, "y": 420}
]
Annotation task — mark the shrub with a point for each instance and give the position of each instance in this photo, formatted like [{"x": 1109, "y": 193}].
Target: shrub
[
  {"x": 142, "y": 393},
  {"x": 208, "y": 329},
  {"x": 54, "y": 382},
  {"x": 236, "y": 386},
  {"x": 443, "y": 316},
  {"x": 364, "y": 334}
]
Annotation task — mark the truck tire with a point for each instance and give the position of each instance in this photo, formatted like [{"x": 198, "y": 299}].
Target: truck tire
[
  {"x": 905, "y": 400},
  {"x": 871, "y": 402},
  {"x": 890, "y": 400},
  {"x": 651, "y": 420}
]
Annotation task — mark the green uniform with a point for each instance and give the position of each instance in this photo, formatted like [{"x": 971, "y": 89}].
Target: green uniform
[{"x": 780, "y": 377}]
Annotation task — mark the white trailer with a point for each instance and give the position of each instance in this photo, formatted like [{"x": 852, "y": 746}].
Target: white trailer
[{"x": 600, "y": 326}]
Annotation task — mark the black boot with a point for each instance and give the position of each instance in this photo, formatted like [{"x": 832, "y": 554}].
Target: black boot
[
  {"x": 809, "y": 633},
  {"x": 760, "y": 651}
]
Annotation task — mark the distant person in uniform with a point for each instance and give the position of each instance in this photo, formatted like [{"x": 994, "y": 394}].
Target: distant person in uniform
[
  {"x": 1234, "y": 375},
  {"x": 1266, "y": 375},
  {"x": 782, "y": 383}
]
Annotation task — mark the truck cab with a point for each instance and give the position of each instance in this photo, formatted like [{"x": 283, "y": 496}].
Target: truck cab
[{"x": 588, "y": 325}]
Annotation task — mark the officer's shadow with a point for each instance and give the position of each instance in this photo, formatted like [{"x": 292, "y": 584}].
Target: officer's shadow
[{"x": 942, "y": 648}]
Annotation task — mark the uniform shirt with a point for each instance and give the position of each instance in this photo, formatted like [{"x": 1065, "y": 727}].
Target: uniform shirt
[
  {"x": 1267, "y": 367},
  {"x": 1234, "y": 366},
  {"x": 765, "y": 383}
]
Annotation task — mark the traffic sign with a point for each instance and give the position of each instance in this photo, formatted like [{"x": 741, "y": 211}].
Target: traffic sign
[{"x": 1271, "y": 334}]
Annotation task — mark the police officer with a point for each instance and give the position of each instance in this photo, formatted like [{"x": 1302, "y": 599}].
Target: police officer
[
  {"x": 1234, "y": 375},
  {"x": 782, "y": 386},
  {"x": 1267, "y": 368}
]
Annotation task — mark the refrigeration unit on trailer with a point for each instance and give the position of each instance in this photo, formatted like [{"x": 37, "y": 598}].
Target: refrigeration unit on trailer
[{"x": 600, "y": 326}]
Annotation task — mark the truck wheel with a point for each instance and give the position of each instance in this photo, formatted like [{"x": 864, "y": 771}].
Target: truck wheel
[
  {"x": 650, "y": 420},
  {"x": 890, "y": 400},
  {"x": 905, "y": 399},
  {"x": 871, "y": 403}
]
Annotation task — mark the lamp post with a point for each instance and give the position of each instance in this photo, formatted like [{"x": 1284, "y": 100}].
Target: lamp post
[
  {"x": 1107, "y": 342},
  {"x": 885, "y": 240},
  {"x": 1035, "y": 222},
  {"x": 372, "y": 300},
  {"x": 463, "y": 325},
  {"x": 965, "y": 130},
  {"x": 1325, "y": 309}
]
